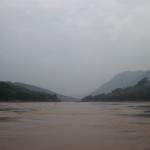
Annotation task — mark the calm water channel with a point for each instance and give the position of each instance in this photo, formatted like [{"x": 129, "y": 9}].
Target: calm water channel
[{"x": 75, "y": 126}]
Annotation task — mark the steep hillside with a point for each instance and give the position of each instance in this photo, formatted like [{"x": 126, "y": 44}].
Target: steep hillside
[
  {"x": 39, "y": 89},
  {"x": 138, "y": 92},
  {"x": 121, "y": 80},
  {"x": 10, "y": 92}
]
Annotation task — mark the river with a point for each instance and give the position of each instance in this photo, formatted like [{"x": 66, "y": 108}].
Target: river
[{"x": 75, "y": 126}]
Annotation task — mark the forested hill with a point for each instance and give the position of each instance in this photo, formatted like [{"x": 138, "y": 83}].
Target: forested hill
[
  {"x": 138, "y": 92},
  {"x": 10, "y": 92},
  {"x": 121, "y": 80},
  {"x": 39, "y": 89}
]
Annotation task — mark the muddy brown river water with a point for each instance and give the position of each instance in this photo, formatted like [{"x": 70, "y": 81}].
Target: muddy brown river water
[{"x": 75, "y": 126}]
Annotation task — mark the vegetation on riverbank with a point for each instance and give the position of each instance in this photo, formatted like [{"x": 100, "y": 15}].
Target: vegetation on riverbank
[
  {"x": 10, "y": 92},
  {"x": 138, "y": 92}
]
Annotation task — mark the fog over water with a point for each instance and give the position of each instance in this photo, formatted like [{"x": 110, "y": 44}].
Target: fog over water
[{"x": 72, "y": 46}]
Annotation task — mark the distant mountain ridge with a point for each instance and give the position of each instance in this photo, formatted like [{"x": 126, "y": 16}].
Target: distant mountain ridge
[
  {"x": 139, "y": 92},
  {"x": 121, "y": 80},
  {"x": 39, "y": 89},
  {"x": 12, "y": 93}
]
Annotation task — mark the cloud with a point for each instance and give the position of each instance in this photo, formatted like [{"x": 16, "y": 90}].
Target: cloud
[{"x": 72, "y": 46}]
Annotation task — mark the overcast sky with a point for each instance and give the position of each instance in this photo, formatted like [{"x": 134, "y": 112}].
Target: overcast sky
[{"x": 72, "y": 46}]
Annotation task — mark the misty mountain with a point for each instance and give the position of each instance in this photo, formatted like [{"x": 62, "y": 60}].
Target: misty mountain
[
  {"x": 121, "y": 80},
  {"x": 10, "y": 92},
  {"x": 39, "y": 89},
  {"x": 139, "y": 92}
]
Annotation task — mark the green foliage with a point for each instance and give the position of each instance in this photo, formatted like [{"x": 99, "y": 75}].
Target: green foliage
[
  {"x": 142, "y": 82},
  {"x": 10, "y": 92},
  {"x": 141, "y": 91}
]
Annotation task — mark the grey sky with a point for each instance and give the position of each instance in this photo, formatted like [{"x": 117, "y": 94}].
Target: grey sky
[{"x": 72, "y": 46}]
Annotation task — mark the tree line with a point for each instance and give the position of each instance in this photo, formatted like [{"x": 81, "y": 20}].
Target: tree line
[
  {"x": 138, "y": 92},
  {"x": 10, "y": 92}
]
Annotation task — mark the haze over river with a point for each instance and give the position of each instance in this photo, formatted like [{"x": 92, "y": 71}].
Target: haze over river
[{"x": 75, "y": 126}]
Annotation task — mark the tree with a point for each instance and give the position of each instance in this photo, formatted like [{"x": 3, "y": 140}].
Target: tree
[{"x": 142, "y": 82}]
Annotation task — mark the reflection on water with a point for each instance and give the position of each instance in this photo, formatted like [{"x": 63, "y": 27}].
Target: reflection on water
[{"x": 75, "y": 126}]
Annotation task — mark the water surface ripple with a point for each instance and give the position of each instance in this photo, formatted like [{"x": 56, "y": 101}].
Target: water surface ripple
[{"x": 75, "y": 126}]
